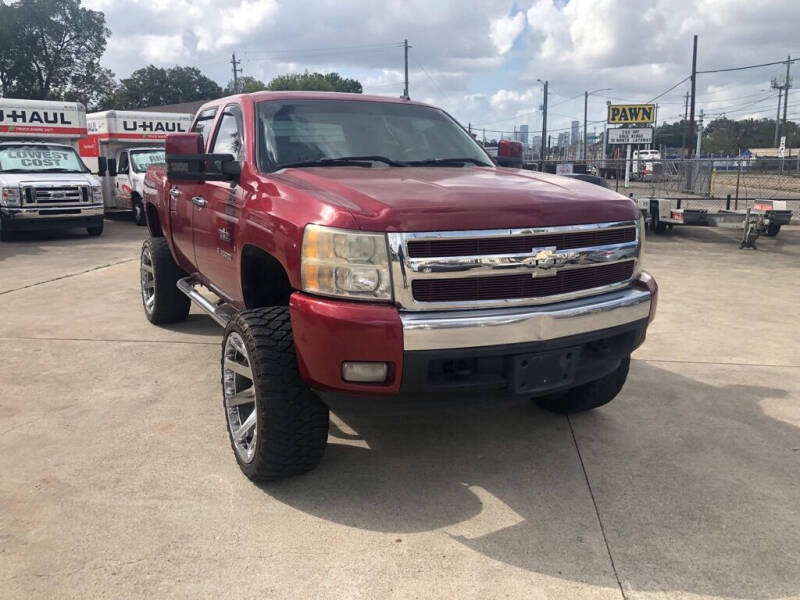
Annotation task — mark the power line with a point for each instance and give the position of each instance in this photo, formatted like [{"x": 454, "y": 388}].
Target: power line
[
  {"x": 669, "y": 90},
  {"x": 769, "y": 64}
]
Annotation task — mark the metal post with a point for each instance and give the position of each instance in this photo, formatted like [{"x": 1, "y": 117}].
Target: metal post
[
  {"x": 778, "y": 116},
  {"x": 685, "y": 123},
  {"x": 728, "y": 202},
  {"x": 738, "y": 177},
  {"x": 628, "y": 166}
]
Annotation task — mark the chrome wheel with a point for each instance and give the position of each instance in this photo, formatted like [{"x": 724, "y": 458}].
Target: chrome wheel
[
  {"x": 148, "y": 280},
  {"x": 240, "y": 396}
]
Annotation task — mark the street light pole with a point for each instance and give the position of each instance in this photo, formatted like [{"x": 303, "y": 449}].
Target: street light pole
[
  {"x": 585, "y": 112},
  {"x": 544, "y": 124}
]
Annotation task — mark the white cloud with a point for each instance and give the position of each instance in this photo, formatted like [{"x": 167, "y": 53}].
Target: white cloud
[{"x": 504, "y": 31}]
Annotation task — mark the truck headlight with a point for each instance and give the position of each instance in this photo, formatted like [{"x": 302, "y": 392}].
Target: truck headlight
[
  {"x": 10, "y": 196},
  {"x": 97, "y": 194},
  {"x": 351, "y": 264}
]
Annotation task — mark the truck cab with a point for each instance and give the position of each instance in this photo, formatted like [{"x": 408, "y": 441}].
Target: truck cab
[{"x": 44, "y": 184}]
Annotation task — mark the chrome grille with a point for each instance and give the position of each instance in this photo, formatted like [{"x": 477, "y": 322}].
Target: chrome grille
[
  {"x": 475, "y": 269},
  {"x": 50, "y": 195}
]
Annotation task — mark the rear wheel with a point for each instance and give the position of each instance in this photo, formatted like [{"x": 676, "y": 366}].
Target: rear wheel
[
  {"x": 96, "y": 229},
  {"x": 589, "y": 395},
  {"x": 163, "y": 302},
  {"x": 277, "y": 426}
]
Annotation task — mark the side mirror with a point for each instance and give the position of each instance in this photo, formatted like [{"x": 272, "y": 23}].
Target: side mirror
[
  {"x": 187, "y": 162},
  {"x": 112, "y": 166},
  {"x": 102, "y": 166}
]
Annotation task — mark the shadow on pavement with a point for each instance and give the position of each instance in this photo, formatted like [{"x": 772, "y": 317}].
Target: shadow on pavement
[{"x": 697, "y": 487}]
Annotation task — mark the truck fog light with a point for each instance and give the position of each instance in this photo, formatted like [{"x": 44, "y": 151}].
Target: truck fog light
[
  {"x": 365, "y": 372},
  {"x": 357, "y": 279}
]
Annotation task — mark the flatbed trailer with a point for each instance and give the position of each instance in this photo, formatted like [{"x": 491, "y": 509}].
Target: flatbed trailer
[{"x": 664, "y": 213}]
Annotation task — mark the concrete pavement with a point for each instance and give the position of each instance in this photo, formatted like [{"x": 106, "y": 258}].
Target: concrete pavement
[{"x": 117, "y": 479}]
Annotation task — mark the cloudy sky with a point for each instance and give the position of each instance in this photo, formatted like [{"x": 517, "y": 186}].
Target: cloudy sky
[{"x": 480, "y": 60}]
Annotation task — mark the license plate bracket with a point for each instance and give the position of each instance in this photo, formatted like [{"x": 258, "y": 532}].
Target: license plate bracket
[{"x": 544, "y": 371}]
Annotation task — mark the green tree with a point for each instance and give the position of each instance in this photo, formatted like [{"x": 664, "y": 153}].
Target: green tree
[
  {"x": 96, "y": 89},
  {"x": 49, "y": 45},
  {"x": 155, "y": 86},
  {"x": 330, "y": 82},
  {"x": 247, "y": 85}
]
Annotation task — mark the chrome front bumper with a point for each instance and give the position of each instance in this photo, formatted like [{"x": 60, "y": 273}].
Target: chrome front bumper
[
  {"x": 489, "y": 327},
  {"x": 53, "y": 212}
]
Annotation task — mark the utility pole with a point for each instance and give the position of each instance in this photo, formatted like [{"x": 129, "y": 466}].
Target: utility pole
[
  {"x": 787, "y": 84},
  {"x": 585, "y": 111},
  {"x": 236, "y": 71},
  {"x": 699, "y": 135},
  {"x": 685, "y": 120},
  {"x": 405, "y": 53},
  {"x": 776, "y": 85},
  {"x": 691, "y": 107},
  {"x": 544, "y": 125}
]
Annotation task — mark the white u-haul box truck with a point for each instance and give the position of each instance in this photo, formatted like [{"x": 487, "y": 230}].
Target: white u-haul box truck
[
  {"x": 121, "y": 145},
  {"x": 44, "y": 184}
]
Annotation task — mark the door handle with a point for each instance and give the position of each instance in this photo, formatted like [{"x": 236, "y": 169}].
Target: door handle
[
  {"x": 199, "y": 201},
  {"x": 174, "y": 193}
]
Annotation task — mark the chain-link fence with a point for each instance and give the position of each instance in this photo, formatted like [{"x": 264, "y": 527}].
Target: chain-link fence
[{"x": 712, "y": 183}]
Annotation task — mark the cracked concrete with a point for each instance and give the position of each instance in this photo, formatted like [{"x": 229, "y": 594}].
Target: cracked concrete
[{"x": 117, "y": 479}]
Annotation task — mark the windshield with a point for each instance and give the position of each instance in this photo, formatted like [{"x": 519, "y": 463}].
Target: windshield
[
  {"x": 141, "y": 159},
  {"x": 294, "y": 132},
  {"x": 40, "y": 159}
]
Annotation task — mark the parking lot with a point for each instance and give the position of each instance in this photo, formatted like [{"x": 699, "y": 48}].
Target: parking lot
[{"x": 117, "y": 479}]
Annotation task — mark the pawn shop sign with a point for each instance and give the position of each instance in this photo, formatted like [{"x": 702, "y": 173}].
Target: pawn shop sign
[{"x": 621, "y": 114}]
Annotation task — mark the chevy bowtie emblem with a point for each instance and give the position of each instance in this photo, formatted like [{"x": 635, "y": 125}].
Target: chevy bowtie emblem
[{"x": 546, "y": 261}]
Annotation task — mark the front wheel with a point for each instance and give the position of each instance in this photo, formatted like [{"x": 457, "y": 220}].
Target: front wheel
[
  {"x": 589, "y": 395},
  {"x": 6, "y": 233},
  {"x": 96, "y": 229},
  {"x": 277, "y": 426},
  {"x": 138, "y": 213}
]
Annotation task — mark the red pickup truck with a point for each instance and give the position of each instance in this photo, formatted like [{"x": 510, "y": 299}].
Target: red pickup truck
[{"x": 367, "y": 246}]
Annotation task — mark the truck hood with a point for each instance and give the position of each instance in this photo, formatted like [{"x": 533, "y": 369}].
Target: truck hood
[
  {"x": 460, "y": 198},
  {"x": 16, "y": 179}
]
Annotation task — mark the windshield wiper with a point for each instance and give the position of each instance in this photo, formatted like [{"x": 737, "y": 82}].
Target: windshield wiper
[
  {"x": 57, "y": 170},
  {"x": 447, "y": 161},
  {"x": 343, "y": 161}
]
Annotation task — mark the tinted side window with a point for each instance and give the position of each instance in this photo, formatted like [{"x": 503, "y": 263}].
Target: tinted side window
[
  {"x": 229, "y": 138},
  {"x": 122, "y": 167},
  {"x": 203, "y": 124}
]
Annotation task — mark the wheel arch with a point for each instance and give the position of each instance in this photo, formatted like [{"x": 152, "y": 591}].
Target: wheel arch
[{"x": 265, "y": 281}]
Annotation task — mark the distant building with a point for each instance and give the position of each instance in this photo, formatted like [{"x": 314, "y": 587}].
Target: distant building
[
  {"x": 576, "y": 131},
  {"x": 563, "y": 139},
  {"x": 523, "y": 134},
  {"x": 536, "y": 141}
]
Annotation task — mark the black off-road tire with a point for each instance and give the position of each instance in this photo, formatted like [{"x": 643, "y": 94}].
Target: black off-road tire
[
  {"x": 773, "y": 229},
  {"x": 589, "y": 395},
  {"x": 170, "y": 304},
  {"x": 137, "y": 209},
  {"x": 292, "y": 422},
  {"x": 96, "y": 229}
]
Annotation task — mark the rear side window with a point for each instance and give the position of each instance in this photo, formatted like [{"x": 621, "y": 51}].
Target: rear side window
[
  {"x": 122, "y": 167},
  {"x": 203, "y": 124}
]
